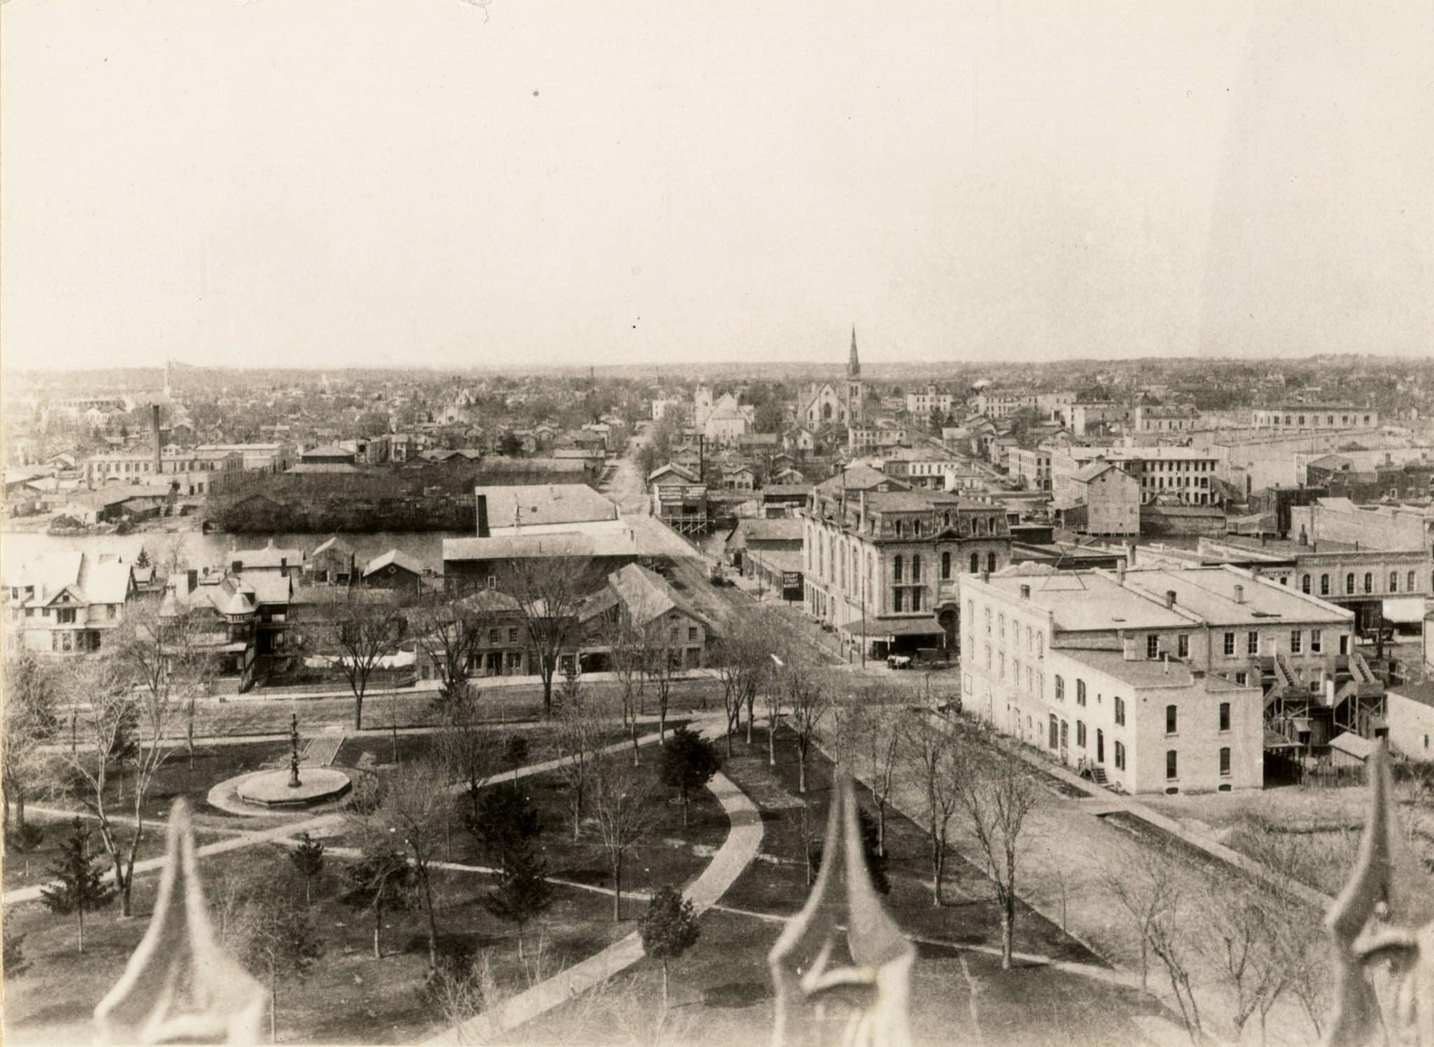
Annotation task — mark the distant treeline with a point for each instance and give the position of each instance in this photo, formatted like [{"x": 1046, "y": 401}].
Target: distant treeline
[{"x": 435, "y": 497}]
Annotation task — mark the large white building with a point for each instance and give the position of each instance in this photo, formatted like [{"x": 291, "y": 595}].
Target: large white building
[
  {"x": 1155, "y": 680},
  {"x": 1315, "y": 416}
]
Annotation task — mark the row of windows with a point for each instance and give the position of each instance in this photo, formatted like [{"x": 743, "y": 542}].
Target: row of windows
[
  {"x": 1172, "y": 763},
  {"x": 1172, "y": 718},
  {"x": 1252, "y": 642},
  {"x": 1411, "y": 583}
]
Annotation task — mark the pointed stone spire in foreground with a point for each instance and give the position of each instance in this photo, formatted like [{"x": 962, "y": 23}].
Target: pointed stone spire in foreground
[{"x": 180, "y": 986}]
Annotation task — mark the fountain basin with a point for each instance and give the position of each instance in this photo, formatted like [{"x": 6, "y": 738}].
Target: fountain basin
[{"x": 271, "y": 788}]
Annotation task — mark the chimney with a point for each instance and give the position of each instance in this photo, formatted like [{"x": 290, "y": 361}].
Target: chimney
[
  {"x": 1025, "y": 592},
  {"x": 1239, "y": 593},
  {"x": 483, "y": 531},
  {"x": 158, "y": 440},
  {"x": 191, "y": 580},
  {"x": 1169, "y": 598}
]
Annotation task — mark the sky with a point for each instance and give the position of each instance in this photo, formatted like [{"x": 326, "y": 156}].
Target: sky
[{"x": 449, "y": 183}]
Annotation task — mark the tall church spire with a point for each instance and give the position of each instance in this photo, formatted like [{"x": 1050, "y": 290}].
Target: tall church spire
[{"x": 853, "y": 365}]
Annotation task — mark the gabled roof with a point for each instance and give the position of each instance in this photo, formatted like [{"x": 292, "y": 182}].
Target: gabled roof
[
  {"x": 393, "y": 556},
  {"x": 644, "y": 594},
  {"x": 674, "y": 469},
  {"x": 269, "y": 556},
  {"x": 1096, "y": 468}
]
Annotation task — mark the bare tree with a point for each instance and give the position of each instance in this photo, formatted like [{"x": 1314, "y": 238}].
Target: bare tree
[
  {"x": 136, "y": 688},
  {"x": 742, "y": 661},
  {"x": 411, "y": 818},
  {"x": 447, "y": 630},
  {"x": 549, "y": 591},
  {"x": 30, "y": 708},
  {"x": 623, "y": 807},
  {"x": 1146, "y": 884},
  {"x": 579, "y": 736},
  {"x": 366, "y": 627},
  {"x": 870, "y": 734},
  {"x": 627, "y": 665},
  {"x": 660, "y": 669},
  {"x": 941, "y": 777},
  {"x": 807, "y": 707},
  {"x": 996, "y": 796}
]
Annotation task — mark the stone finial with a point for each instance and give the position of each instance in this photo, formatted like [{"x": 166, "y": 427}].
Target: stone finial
[
  {"x": 1373, "y": 1005},
  {"x": 180, "y": 986},
  {"x": 876, "y": 985}
]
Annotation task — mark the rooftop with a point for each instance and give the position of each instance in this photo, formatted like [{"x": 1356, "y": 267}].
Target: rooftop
[
  {"x": 1146, "y": 673},
  {"x": 536, "y": 504}
]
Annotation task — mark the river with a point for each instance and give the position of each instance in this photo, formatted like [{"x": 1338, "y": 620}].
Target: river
[{"x": 199, "y": 550}]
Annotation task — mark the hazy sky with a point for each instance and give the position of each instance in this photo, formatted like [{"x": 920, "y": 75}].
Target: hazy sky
[{"x": 379, "y": 181}]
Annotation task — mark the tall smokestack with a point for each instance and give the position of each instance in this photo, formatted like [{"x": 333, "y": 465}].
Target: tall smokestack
[
  {"x": 483, "y": 531},
  {"x": 158, "y": 440}
]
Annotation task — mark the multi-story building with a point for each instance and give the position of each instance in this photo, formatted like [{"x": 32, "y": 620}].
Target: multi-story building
[
  {"x": 1031, "y": 465},
  {"x": 1156, "y": 680},
  {"x": 862, "y": 439},
  {"x": 1164, "y": 419},
  {"x": 256, "y": 457},
  {"x": 1357, "y": 577},
  {"x": 1315, "y": 416},
  {"x": 1183, "y": 474},
  {"x": 884, "y": 567},
  {"x": 1111, "y": 497},
  {"x": 1003, "y": 404},
  {"x": 923, "y": 403},
  {"x": 66, "y": 603}
]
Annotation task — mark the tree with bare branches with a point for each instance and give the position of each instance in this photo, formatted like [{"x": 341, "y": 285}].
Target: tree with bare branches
[
  {"x": 447, "y": 629},
  {"x": 549, "y": 591},
  {"x": 869, "y": 735},
  {"x": 366, "y": 627},
  {"x": 623, "y": 807},
  {"x": 936, "y": 761},
  {"x": 742, "y": 659},
  {"x": 627, "y": 664},
  {"x": 411, "y": 818},
  {"x": 579, "y": 736},
  {"x": 996, "y": 795},
  {"x": 136, "y": 687},
  {"x": 807, "y": 706},
  {"x": 30, "y": 706}
]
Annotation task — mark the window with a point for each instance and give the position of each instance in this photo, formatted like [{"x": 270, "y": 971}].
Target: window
[
  {"x": 1172, "y": 765},
  {"x": 1252, "y": 643},
  {"x": 1368, "y": 582},
  {"x": 492, "y": 636},
  {"x": 1001, "y": 666},
  {"x": 1040, "y": 646},
  {"x": 692, "y": 633},
  {"x": 1224, "y": 716},
  {"x": 1120, "y": 712},
  {"x": 988, "y": 621},
  {"x": 1297, "y": 644},
  {"x": 1316, "y": 641},
  {"x": 945, "y": 566},
  {"x": 1060, "y": 688},
  {"x": 1409, "y": 582},
  {"x": 1229, "y": 645},
  {"x": 1171, "y": 719},
  {"x": 492, "y": 581},
  {"x": 1080, "y": 692},
  {"x": 1065, "y": 735},
  {"x": 1225, "y": 761},
  {"x": 1119, "y": 756},
  {"x": 1080, "y": 734},
  {"x": 1305, "y": 583},
  {"x": 990, "y": 561},
  {"x": 1152, "y": 646},
  {"x": 916, "y": 599},
  {"x": 896, "y": 566},
  {"x": 897, "y": 601},
  {"x": 1182, "y": 645},
  {"x": 975, "y": 562},
  {"x": 1394, "y": 581},
  {"x": 1055, "y": 732},
  {"x": 1324, "y": 585},
  {"x": 1242, "y": 678},
  {"x": 1349, "y": 583}
]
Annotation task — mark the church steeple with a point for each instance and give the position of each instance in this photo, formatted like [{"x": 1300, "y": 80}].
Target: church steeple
[{"x": 853, "y": 364}]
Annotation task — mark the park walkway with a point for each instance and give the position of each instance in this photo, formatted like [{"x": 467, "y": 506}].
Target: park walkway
[
  {"x": 744, "y": 839},
  {"x": 318, "y": 827}
]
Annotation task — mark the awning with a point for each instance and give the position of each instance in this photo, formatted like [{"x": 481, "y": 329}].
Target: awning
[
  {"x": 1405, "y": 610},
  {"x": 891, "y": 628}
]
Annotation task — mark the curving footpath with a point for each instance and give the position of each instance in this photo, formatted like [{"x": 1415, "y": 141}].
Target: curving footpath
[{"x": 736, "y": 853}]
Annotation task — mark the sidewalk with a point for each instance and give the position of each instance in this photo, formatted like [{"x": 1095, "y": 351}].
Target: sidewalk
[{"x": 744, "y": 838}]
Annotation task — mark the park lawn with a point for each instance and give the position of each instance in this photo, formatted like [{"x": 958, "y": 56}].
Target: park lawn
[
  {"x": 776, "y": 882},
  {"x": 349, "y": 997},
  {"x": 721, "y": 994},
  {"x": 377, "y": 749},
  {"x": 23, "y": 870}
]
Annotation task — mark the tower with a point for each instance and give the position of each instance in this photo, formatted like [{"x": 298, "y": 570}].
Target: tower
[{"x": 855, "y": 392}]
